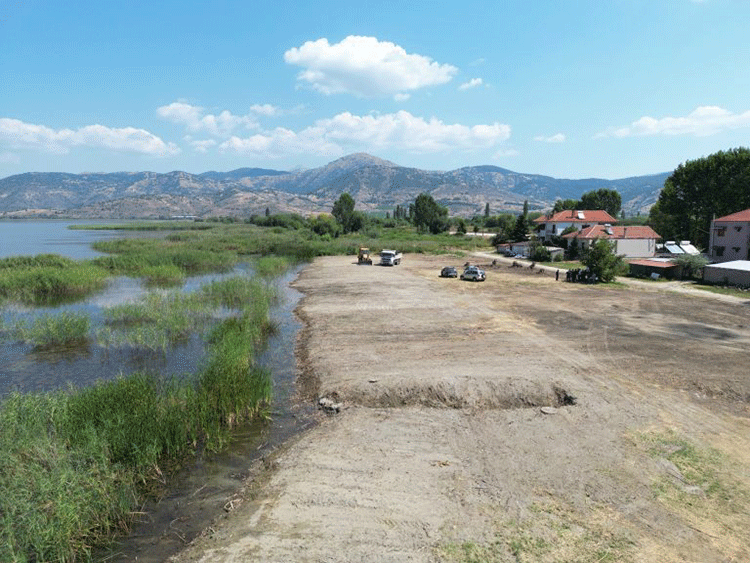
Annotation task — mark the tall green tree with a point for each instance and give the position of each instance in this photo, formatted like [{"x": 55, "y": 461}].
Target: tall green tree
[
  {"x": 521, "y": 228},
  {"x": 428, "y": 215},
  {"x": 563, "y": 204},
  {"x": 698, "y": 190},
  {"x": 608, "y": 200},
  {"x": 343, "y": 211},
  {"x": 601, "y": 259}
]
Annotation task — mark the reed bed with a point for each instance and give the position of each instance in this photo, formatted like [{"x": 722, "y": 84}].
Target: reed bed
[
  {"x": 75, "y": 464},
  {"x": 51, "y": 331},
  {"x": 44, "y": 284}
]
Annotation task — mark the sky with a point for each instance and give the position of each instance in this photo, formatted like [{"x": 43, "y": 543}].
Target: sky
[{"x": 570, "y": 89}]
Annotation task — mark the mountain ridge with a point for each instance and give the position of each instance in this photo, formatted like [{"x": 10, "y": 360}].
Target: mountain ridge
[{"x": 374, "y": 183}]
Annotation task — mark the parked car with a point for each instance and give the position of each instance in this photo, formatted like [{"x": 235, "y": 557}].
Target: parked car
[
  {"x": 448, "y": 272},
  {"x": 472, "y": 273}
]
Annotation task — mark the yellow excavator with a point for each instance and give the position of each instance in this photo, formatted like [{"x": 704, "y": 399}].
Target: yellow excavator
[{"x": 363, "y": 257}]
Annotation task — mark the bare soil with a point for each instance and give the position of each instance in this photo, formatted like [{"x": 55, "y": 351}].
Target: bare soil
[{"x": 516, "y": 419}]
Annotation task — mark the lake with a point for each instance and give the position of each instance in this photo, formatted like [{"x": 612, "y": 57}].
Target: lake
[
  {"x": 198, "y": 492},
  {"x": 29, "y": 237}
]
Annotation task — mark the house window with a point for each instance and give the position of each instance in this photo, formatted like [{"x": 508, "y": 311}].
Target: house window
[
  {"x": 721, "y": 231},
  {"x": 736, "y": 249},
  {"x": 738, "y": 228},
  {"x": 719, "y": 250},
  {"x": 554, "y": 229}
]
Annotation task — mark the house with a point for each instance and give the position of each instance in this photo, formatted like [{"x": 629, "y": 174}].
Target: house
[
  {"x": 730, "y": 237},
  {"x": 548, "y": 226},
  {"x": 736, "y": 273},
  {"x": 637, "y": 241},
  {"x": 654, "y": 268}
]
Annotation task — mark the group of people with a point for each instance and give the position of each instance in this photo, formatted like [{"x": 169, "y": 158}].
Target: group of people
[{"x": 580, "y": 275}]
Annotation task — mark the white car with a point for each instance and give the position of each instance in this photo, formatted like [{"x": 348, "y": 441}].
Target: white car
[{"x": 472, "y": 273}]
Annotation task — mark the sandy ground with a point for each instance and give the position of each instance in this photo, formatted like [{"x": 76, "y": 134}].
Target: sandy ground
[{"x": 519, "y": 419}]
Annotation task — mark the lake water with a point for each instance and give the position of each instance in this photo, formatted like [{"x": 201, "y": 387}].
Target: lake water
[
  {"x": 198, "y": 493},
  {"x": 52, "y": 236}
]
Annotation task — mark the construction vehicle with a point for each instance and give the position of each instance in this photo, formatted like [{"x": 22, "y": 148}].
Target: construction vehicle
[{"x": 364, "y": 256}]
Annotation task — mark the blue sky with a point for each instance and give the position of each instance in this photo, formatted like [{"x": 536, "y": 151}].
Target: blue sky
[{"x": 579, "y": 89}]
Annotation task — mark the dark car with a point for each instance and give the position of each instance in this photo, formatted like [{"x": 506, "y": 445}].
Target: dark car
[{"x": 448, "y": 272}]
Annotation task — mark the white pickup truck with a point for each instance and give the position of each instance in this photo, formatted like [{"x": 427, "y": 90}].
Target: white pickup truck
[{"x": 390, "y": 257}]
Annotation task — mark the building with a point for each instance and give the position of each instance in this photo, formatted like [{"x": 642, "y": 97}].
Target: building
[
  {"x": 736, "y": 273},
  {"x": 637, "y": 241},
  {"x": 548, "y": 226},
  {"x": 654, "y": 268},
  {"x": 730, "y": 237}
]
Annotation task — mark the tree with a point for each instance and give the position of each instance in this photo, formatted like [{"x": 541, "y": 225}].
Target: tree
[
  {"x": 343, "y": 211},
  {"x": 539, "y": 253},
  {"x": 690, "y": 264},
  {"x": 601, "y": 259},
  {"x": 563, "y": 204},
  {"x": 486, "y": 209},
  {"x": 428, "y": 215},
  {"x": 521, "y": 228},
  {"x": 461, "y": 227},
  {"x": 700, "y": 189},
  {"x": 608, "y": 200}
]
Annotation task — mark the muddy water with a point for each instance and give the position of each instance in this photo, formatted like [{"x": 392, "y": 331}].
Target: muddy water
[{"x": 198, "y": 494}]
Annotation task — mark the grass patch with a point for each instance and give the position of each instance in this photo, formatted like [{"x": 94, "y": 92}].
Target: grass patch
[
  {"x": 75, "y": 464},
  {"x": 724, "y": 290},
  {"x": 166, "y": 275},
  {"x": 145, "y": 226},
  {"x": 51, "y": 331},
  {"x": 49, "y": 281},
  {"x": 555, "y": 534},
  {"x": 703, "y": 487}
]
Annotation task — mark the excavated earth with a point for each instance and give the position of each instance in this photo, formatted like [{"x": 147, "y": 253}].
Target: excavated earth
[{"x": 518, "y": 419}]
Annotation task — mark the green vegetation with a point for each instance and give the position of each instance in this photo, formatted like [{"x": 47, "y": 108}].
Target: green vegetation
[
  {"x": 47, "y": 279},
  {"x": 146, "y": 226},
  {"x": 74, "y": 464},
  {"x": 608, "y": 200},
  {"x": 699, "y": 190},
  {"x": 704, "y": 487},
  {"x": 601, "y": 259},
  {"x": 555, "y": 534},
  {"x": 692, "y": 264},
  {"x": 51, "y": 331},
  {"x": 428, "y": 216}
]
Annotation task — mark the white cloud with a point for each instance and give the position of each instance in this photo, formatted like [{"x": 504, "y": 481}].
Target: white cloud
[
  {"x": 701, "y": 122},
  {"x": 365, "y": 67},
  {"x": 558, "y": 138},
  {"x": 17, "y": 134},
  {"x": 347, "y": 132},
  {"x": 202, "y": 145},
  {"x": 9, "y": 158},
  {"x": 221, "y": 125},
  {"x": 473, "y": 83}
]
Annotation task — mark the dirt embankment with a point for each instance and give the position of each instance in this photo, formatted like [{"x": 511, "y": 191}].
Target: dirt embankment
[{"x": 519, "y": 419}]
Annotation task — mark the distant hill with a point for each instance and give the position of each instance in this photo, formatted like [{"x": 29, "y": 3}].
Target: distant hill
[{"x": 375, "y": 185}]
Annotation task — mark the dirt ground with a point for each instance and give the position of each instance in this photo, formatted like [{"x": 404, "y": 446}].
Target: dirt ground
[{"x": 518, "y": 419}]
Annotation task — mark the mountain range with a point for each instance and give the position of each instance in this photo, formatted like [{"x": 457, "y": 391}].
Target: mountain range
[{"x": 376, "y": 185}]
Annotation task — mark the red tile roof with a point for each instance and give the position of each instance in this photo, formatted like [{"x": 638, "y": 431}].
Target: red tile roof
[
  {"x": 572, "y": 216},
  {"x": 632, "y": 232},
  {"x": 740, "y": 216}
]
